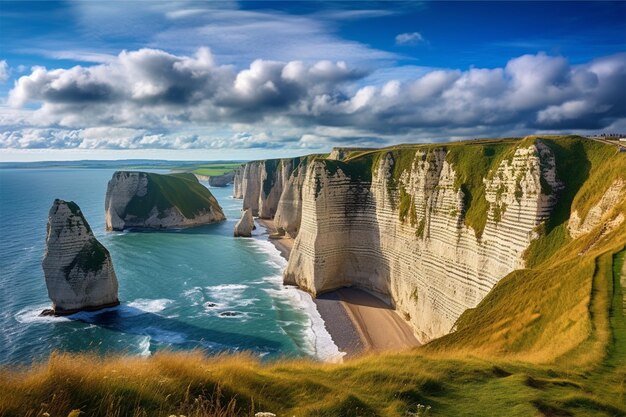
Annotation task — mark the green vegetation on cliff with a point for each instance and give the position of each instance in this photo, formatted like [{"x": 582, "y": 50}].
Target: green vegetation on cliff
[
  {"x": 213, "y": 170},
  {"x": 172, "y": 190},
  {"x": 473, "y": 163}
]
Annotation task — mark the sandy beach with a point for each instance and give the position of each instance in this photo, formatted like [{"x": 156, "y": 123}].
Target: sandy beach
[{"x": 357, "y": 321}]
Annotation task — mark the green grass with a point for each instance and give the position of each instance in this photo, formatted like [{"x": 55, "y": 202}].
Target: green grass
[
  {"x": 213, "y": 170},
  {"x": 180, "y": 190},
  {"x": 91, "y": 257},
  {"x": 582, "y": 166},
  {"x": 472, "y": 164}
]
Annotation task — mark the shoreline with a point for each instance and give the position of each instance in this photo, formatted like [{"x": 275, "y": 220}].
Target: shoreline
[{"x": 357, "y": 321}]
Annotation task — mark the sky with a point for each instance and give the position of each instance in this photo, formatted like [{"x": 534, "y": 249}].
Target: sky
[{"x": 248, "y": 80}]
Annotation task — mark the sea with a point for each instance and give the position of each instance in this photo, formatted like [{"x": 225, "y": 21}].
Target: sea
[{"x": 183, "y": 289}]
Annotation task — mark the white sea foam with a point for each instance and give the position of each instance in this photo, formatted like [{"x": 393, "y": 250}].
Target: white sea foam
[
  {"x": 165, "y": 336},
  {"x": 195, "y": 295},
  {"x": 144, "y": 346},
  {"x": 226, "y": 294},
  {"x": 317, "y": 340},
  {"x": 31, "y": 314},
  {"x": 150, "y": 306}
]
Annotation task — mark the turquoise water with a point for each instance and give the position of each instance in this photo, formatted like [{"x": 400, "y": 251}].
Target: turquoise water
[{"x": 175, "y": 287}]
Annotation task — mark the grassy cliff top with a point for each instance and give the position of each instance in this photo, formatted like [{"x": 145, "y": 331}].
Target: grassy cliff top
[
  {"x": 181, "y": 190},
  {"x": 214, "y": 170}
]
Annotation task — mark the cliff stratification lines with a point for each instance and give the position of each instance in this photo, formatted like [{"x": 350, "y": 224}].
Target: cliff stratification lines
[{"x": 433, "y": 228}]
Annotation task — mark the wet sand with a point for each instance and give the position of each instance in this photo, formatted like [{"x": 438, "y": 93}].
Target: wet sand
[{"x": 357, "y": 321}]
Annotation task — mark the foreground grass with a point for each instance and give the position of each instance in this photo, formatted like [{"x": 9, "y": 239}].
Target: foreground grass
[{"x": 386, "y": 385}]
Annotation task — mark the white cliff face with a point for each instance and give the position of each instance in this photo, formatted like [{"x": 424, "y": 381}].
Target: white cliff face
[
  {"x": 251, "y": 186},
  {"x": 431, "y": 265},
  {"x": 600, "y": 212},
  {"x": 289, "y": 207},
  {"x": 261, "y": 185},
  {"x": 245, "y": 225},
  {"x": 272, "y": 177},
  {"x": 238, "y": 183},
  {"x": 132, "y": 201},
  {"x": 77, "y": 268}
]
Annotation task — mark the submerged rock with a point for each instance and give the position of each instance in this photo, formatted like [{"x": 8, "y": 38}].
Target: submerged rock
[
  {"x": 230, "y": 314},
  {"x": 78, "y": 269},
  {"x": 148, "y": 200},
  {"x": 245, "y": 225}
]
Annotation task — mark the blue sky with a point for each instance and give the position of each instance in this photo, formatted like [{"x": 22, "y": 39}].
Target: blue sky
[{"x": 216, "y": 80}]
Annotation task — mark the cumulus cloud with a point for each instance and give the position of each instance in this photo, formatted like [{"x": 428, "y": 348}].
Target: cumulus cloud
[
  {"x": 4, "y": 71},
  {"x": 150, "y": 96},
  {"x": 409, "y": 38}
]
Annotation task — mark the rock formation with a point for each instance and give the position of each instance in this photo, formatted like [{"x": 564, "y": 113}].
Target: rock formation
[
  {"x": 245, "y": 225},
  {"x": 222, "y": 180},
  {"x": 148, "y": 200},
  {"x": 413, "y": 224},
  {"x": 238, "y": 183},
  {"x": 78, "y": 269}
]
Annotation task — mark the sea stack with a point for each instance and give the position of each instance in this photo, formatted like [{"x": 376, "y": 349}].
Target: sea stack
[
  {"x": 78, "y": 269},
  {"x": 147, "y": 200},
  {"x": 245, "y": 225}
]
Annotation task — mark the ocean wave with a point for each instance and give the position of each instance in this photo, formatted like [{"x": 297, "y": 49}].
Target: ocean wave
[
  {"x": 165, "y": 336},
  {"x": 317, "y": 341},
  {"x": 149, "y": 305},
  {"x": 275, "y": 259},
  {"x": 195, "y": 295},
  {"x": 226, "y": 293},
  {"x": 144, "y": 346},
  {"x": 31, "y": 314}
]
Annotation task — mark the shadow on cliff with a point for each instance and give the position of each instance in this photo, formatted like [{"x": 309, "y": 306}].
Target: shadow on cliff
[
  {"x": 168, "y": 332},
  {"x": 572, "y": 166}
]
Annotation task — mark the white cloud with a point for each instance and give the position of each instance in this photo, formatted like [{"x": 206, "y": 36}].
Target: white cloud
[
  {"x": 154, "y": 99},
  {"x": 4, "y": 71},
  {"x": 412, "y": 38}
]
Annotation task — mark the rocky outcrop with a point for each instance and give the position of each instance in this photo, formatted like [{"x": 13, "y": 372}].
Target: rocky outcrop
[
  {"x": 223, "y": 180},
  {"x": 77, "y": 268},
  {"x": 148, "y": 200},
  {"x": 599, "y": 212},
  {"x": 245, "y": 225},
  {"x": 251, "y": 186},
  {"x": 341, "y": 153},
  {"x": 402, "y": 230},
  {"x": 238, "y": 183},
  {"x": 261, "y": 184}
]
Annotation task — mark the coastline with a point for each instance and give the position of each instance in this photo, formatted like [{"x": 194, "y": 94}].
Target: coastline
[{"x": 358, "y": 322}]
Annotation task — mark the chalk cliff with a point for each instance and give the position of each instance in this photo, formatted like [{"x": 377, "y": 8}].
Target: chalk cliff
[
  {"x": 260, "y": 184},
  {"x": 430, "y": 228},
  {"x": 77, "y": 268},
  {"x": 245, "y": 225},
  {"x": 148, "y": 200}
]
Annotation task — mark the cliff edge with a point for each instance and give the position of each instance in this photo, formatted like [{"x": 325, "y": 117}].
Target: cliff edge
[
  {"x": 78, "y": 269},
  {"x": 148, "y": 200}
]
